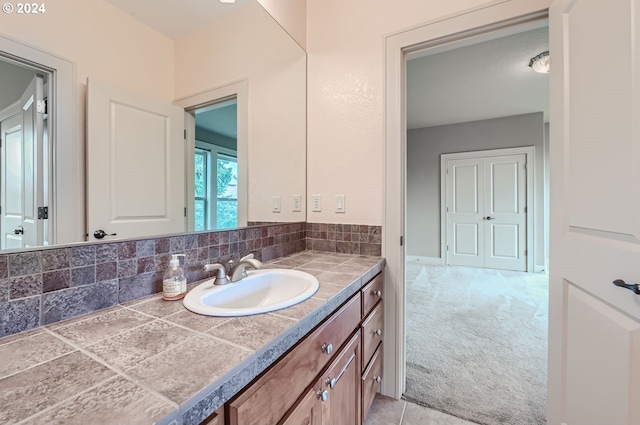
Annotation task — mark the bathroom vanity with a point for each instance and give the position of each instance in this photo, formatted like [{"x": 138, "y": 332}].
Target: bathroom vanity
[{"x": 152, "y": 361}]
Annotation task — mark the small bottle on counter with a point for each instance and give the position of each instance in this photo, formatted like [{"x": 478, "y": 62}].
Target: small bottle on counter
[{"x": 174, "y": 281}]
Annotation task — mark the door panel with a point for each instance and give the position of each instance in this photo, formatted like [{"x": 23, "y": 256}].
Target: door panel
[
  {"x": 465, "y": 201},
  {"x": 135, "y": 164},
  {"x": 505, "y": 205},
  {"x": 594, "y": 326}
]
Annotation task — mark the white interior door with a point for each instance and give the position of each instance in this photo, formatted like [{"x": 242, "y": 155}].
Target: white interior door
[
  {"x": 594, "y": 326},
  {"x": 32, "y": 104},
  {"x": 135, "y": 164},
  {"x": 505, "y": 217},
  {"x": 486, "y": 219},
  {"x": 11, "y": 136}
]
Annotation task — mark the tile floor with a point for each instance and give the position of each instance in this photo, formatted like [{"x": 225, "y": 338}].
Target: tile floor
[{"x": 388, "y": 411}]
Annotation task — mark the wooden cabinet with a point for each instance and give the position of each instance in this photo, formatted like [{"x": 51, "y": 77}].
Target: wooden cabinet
[{"x": 322, "y": 379}]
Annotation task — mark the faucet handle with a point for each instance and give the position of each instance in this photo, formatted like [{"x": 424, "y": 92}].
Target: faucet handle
[{"x": 247, "y": 257}]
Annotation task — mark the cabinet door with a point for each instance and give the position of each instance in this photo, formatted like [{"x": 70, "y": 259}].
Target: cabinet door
[
  {"x": 342, "y": 379},
  {"x": 308, "y": 410}
]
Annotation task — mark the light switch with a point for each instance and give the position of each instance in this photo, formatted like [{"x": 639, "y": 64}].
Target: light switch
[
  {"x": 276, "y": 204},
  {"x": 340, "y": 207},
  {"x": 297, "y": 203}
]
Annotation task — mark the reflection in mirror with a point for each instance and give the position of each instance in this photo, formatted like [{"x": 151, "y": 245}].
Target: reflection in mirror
[
  {"x": 216, "y": 166},
  {"x": 182, "y": 60}
]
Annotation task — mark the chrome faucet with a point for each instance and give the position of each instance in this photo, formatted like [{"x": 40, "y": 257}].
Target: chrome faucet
[
  {"x": 221, "y": 273},
  {"x": 239, "y": 271}
]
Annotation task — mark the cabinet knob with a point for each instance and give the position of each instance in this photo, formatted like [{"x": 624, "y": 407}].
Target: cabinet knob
[
  {"x": 377, "y": 379},
  {"x": 327, "y": 348},
  {"x": 332, "y": 383},
  {"x": 323, "y": 395},
  {"x": 377, "y": 293},
  {"x": 378, "y": 332}
]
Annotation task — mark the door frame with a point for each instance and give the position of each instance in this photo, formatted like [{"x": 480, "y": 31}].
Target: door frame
[
  {"x": 481, "y": 21},
  {"x": 239, "y": 90},
  {"x": 66, "y": 177},
  {"x": 529, "y": 153}
]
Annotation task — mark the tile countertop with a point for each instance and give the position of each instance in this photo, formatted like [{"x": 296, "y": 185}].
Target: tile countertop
[{"x": 152, "y": 361}]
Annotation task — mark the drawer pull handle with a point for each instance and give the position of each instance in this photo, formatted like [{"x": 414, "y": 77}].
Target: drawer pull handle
[
  {"x": 333, "y": 382},
  {"x": 377, "y": 293},
  {"x": 323, "y": 395},
  {"x": 378, "y": 332},
  {"x": 327, "y": 348},
  {"x": 377, "y": 379}
]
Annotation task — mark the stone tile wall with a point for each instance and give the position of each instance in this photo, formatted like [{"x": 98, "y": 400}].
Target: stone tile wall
[
  {"x": 345, "y": 238},
  {"x": 44, "y": 286}
]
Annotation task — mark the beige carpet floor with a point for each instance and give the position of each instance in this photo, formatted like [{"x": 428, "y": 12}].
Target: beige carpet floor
[{"x": 477, "y": 343}]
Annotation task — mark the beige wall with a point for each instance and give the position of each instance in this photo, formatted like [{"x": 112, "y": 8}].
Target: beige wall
[
  {"x": 275, "y": 69},
  {"x": 345, "y": 46},
  {"x": 102, "y": 42}
]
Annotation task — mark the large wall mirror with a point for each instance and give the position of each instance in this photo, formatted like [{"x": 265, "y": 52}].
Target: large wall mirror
[{"x": 208, "y": 60}]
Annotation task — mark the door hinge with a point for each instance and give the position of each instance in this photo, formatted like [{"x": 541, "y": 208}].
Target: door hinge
[
  {"x": 185, "y": 211},
  {"x": 41, "y": 106},
  {"x": 43, "y": 213},
  {"x": 447, "y": 247},
  {"x": 525, "y": 165},
  {"x": 525, "y": 209},
  {"x": 401, "y": 240},
  {"x": 525, "y": 252},
  {"x": 185, "y": 134}
]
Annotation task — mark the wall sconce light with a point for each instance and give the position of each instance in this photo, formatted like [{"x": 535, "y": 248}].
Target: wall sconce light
[{"x": 540, "y": 63}]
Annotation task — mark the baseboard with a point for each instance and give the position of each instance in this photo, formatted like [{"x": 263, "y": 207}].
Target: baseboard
[{"x": 426, "y": 260}]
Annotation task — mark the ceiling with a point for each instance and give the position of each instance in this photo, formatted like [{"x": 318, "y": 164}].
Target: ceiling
[
  {"x": 488, "y": 79},
  {"x": 176, "y": 19},
  {"x": 14, "y": 81},
  {"x": 221, "y": 118}
]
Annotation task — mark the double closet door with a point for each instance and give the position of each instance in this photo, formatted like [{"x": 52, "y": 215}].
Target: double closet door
[{"x": 486, "y": 210}]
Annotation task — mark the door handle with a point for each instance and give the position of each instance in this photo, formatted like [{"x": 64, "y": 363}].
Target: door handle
[
  {"x": 99, "y": 234},
  {"x": 631, "y": 286},
  {"x": 19, "y": 230},
  {"x": 489, "y": 218}
]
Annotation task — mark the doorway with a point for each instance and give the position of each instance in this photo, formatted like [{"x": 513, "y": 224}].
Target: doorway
[{"x": 482, "y": 147}]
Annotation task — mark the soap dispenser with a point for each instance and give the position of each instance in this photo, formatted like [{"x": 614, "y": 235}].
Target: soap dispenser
[{"x": 174, "y": 281}]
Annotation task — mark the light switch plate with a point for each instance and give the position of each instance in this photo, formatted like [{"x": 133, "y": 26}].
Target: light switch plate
[
  {"x": 340, "y": 207},
  {"x": 276, "y": 204},
  {"x": 297, "y": 203},
  {"x": 317, "y": 203}
]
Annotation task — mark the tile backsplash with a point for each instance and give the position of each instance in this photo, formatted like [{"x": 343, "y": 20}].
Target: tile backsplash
[
  {"x": 40, "y": 287},
  {"x": 44, "y": 286}
]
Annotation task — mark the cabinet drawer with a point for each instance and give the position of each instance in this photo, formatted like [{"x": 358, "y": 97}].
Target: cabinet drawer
[
  {"x": 371, "y": 381},
  {"x": 372, "y": 333},
  {"x": 372, "y": 293},
  {"x": 269, "y": 398}
]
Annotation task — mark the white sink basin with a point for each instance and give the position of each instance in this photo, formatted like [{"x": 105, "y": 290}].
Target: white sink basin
[{"x": 261, "y": 291}]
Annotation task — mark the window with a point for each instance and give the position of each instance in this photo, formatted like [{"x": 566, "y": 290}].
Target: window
[{"x": 216, "y": 200}]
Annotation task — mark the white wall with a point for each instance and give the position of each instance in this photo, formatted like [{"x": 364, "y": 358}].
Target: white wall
[
  {"x": 424, "y": 147},
  {"x": 275, "y": 68},
  {"x": 345, "y": 46},
  {"x": 291, "y": 15}
]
